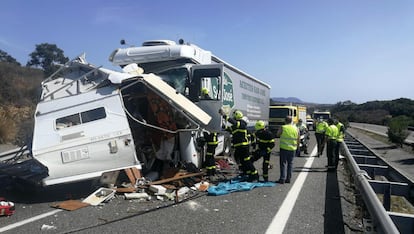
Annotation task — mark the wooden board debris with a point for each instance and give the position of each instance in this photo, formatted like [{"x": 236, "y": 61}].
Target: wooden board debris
[
  {"x": 178, "y": 176},
  {"x": 70, "y": 205}
]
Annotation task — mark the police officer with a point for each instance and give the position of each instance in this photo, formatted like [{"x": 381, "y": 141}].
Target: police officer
[
  {"x": 339, "y": 140},
  {"x": 265, "y": 142},
  {"x": 289, "y": 142},
  {"x": 320, "y": 129},
  {"x": 330, "y": 139},
  {"x": 241, "y": 144}
]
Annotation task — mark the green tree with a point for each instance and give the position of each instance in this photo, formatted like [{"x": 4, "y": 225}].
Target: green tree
[
  {"x": 397, "y": 129},
  {"x": 47, "y": 56},
  {"x": 5, "y": 57}
]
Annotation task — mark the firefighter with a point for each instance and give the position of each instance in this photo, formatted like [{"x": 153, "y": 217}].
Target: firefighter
[
  {"x": 205, "y": 94},
  {"x": 339, "y": 140},
  {"x": 241, "y": 145},
  {"x": 320, "y": 129},
  {"x": 330, "y": 140},
  {"x": 265, "y": 142},
  {"x": 212, "y": 142}
]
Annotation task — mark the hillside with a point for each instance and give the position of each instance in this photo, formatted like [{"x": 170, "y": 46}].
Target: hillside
[
  {"x": 375, "y": 112},
  {"x": 19, "y": 93},
  {"x": 286, "y": 100}
]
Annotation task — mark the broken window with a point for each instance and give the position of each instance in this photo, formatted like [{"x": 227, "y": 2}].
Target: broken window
[
  {"x": 78, "y": 118},
  {"x": 93, "y": 115},
  {"x": 176, "y": 78}
]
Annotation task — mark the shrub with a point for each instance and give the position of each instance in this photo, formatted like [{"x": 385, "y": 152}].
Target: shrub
[
  {"x": 397, "y": 129},
  {"x": 8, "y": 129}
]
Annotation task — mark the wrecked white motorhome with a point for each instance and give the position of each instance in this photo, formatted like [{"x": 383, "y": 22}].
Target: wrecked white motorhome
[{"x": 91, "y": 120}]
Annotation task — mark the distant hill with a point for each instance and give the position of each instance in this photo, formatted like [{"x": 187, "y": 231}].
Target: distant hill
[{"x": 286, "y": 100}]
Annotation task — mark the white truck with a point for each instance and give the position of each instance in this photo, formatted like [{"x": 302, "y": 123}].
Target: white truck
[
  {"x": 91, "y": 120},
  {"x": 188, "y": 69}
]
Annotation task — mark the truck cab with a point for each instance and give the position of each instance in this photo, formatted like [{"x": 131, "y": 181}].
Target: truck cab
[
  {"x": 189, "y": 69},
  {"x": 278, "y": 113},
  {"x": 324, "y": 115}
]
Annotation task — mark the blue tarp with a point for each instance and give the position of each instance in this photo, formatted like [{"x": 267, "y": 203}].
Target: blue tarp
[{"x": 223, "y": 188}]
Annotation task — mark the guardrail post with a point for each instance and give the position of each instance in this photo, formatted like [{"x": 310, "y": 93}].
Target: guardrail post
[{"x": 387, "y": 198}]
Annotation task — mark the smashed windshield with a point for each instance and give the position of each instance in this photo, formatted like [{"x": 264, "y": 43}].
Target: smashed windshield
[{"x": 176, "y": 77}]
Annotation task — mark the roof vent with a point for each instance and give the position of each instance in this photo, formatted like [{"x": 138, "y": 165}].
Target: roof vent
[{"x": 158, "y": 42}]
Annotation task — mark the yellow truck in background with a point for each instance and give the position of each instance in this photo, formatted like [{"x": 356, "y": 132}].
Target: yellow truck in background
[{"x": 278, "y": 113}]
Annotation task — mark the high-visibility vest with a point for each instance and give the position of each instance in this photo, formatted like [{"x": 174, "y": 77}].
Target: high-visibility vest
[
  {"x": 289, "y": 137},
  {"x": 211, "y": 139},
  {"x": 332, "y": 132},
  {"x": 239, "y": 132},
  {"x": 321, "y": 127},
  {"x": 341, "y": 133}
]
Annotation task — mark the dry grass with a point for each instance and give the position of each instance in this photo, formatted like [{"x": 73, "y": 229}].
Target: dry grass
[
  {"x": 399, "y": 204},
  {"x": 11, "y": 118}
]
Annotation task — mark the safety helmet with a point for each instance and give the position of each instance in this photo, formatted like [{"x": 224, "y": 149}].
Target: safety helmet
[
  {"x": 204, "y": 91},
  {"x": 237, "y": 114},
  {"x": 259, "y": 125}
]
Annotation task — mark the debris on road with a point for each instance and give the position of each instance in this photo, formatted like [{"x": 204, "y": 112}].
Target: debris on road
[
  {"x": 99, "y": 196},
  {"x": 70, "y": 205},
  {"x": 7, "y": 208},
  {"x": 236, "y": 186}
]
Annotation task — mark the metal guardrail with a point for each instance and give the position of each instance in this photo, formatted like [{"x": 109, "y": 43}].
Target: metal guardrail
[
  {"x": 14, "y": 153},
  {"x": 364, "y": 166}
]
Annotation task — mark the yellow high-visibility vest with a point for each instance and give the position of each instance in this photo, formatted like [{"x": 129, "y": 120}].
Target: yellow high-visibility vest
[{"x": 289, "y": 137}]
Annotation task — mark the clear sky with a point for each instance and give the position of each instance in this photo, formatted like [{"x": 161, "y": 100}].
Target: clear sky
[{"x": 322, "y": 51}]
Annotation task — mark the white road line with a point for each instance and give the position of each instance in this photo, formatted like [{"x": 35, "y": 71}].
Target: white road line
[
  {"x": 29, "y": 220},
  {"x": 279, "y": 221}
]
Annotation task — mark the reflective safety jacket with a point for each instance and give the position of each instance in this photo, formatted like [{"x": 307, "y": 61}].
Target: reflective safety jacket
[
  {"x": 265, "y": 140},
  {"x": 238, "y": 129},
  {"x": 341, "y": 132},
  {"x": 331, "y": 132},
  {"x": 321, "y": 127},
  {"x": 211, "y": 138},
  {"x": 289, "y": 137}
]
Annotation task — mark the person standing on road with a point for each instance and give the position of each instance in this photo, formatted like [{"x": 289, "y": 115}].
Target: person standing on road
[
  {"x": 330, "y": 139},
  {"x": 265, "y": 142},
  {"x": 339, "y": 140},
  {"x": 289, "y": 142},
  {"x": 241, "y": 144},
  {"x": 320, "y": 129}
]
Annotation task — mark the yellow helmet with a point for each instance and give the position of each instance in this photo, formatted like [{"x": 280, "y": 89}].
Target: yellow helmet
[
  {"x": 237, "y": 114},
  {"x": 204, "y": 91},
  {"x": 259, "y": 125}
]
